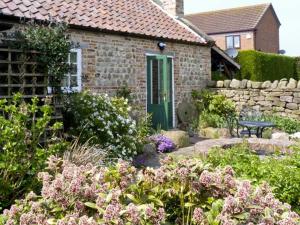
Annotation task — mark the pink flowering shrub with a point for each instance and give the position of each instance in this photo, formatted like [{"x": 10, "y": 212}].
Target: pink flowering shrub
[{"x": 187, "y": 192}]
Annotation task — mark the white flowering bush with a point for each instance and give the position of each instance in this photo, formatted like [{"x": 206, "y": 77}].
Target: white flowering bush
[
  {"x": 187, "y": 192},
  {"x": 102, "y": 120}
]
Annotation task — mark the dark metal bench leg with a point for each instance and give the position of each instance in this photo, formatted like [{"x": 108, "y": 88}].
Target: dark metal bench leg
[
  {"x": 258, "y": 132},
  {"x": 261, "y": 132},
  {"x": 249, "y": 130}
]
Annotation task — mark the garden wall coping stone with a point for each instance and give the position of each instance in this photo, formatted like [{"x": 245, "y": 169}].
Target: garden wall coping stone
[
  {"x": 292, "y": 84},
  {"x": 277, "y": 97}
]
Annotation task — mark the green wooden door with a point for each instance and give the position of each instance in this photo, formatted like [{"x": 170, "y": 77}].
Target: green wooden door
[{"x": 159, "y": 91}]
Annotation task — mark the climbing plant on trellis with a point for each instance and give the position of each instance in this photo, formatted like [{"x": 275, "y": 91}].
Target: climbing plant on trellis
[{"x": 32, "y": 62}]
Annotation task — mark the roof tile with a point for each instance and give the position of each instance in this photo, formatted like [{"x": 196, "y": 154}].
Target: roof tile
[
  {"x": 135, "y": 16},
  {"x": 228, "y": 20}
]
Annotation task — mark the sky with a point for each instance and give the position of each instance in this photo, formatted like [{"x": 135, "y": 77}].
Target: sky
[{"x": 287, "y": 11}]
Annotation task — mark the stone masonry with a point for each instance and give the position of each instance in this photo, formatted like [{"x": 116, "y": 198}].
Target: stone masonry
[
  {"x": 110, "y": 61},
  {"x": 279, "y": 97}
]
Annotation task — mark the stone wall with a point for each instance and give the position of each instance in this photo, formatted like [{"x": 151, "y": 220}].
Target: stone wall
[
  {"x": 278, "y": 97},
  {"x": 110, "y": 61}
]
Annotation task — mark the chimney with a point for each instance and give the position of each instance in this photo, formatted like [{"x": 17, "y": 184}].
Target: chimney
[{"x": 173, "y": 7}]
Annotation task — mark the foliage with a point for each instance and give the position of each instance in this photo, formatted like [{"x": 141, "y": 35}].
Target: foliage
[
  {"x": 82, "y": 154},
  {"x": 215, "y": 110},
  {"x": 104, "y": 121},
  {"x": 282, "y": 173},
  {"x": 124, "y": 92},
  {"x": 187, "y": 192},
  {"x": 53, "y": 45},
  {"x": 22, "y": 125},
  {"x": 208, "y": 119},
  {"x": 217, "y": 75},
  {"x": 259, "y": 66},
  {"x": 220, "y": 105},
  {"x": 298, "y": 67},
  {"x": 162, "y": 143},
  {"x": 143, "y": 122},
  {"x": 202, "y": 99},
  {"x": 286, "y": 124}
]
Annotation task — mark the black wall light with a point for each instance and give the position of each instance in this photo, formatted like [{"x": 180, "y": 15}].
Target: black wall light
[{"x": 161, "y": 45}]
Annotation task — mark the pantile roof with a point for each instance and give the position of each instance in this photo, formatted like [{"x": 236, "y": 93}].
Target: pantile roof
[
  {"x": 230, "y": 20},
  {"x": 139, "y": 17}
]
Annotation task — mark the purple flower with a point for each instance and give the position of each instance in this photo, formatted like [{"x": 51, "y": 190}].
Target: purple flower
[{"x": 162, "y": 143}]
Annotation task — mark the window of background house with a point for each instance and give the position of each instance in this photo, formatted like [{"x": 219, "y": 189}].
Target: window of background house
[
  {"x": 233, "y": 41},
  {"x": 72, "y": 80}
]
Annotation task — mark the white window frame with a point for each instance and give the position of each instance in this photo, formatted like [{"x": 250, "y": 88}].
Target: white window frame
[
  {"x": 232, "y": 37},
  {"x": 79, "y": 72}
]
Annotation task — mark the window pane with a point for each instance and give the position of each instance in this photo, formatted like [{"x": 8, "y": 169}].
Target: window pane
[
  {"x": 237, "y": 42},
  {"x": 229, "y": 41},
  {"x": 71, "y": 79},
  {"x": 162, "y": 92},
  {"x": 65, "y": 81},
  {"x": 155, "y": 82},
  {"x": 73, "y": 57},
  {"x": 74, "y": 81},
  {"x": 169, "y": 79},
  {"x": 73, "y": 69}
]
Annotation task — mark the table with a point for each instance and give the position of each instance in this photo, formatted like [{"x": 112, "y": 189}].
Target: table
[{"x": 259, "y": 126}]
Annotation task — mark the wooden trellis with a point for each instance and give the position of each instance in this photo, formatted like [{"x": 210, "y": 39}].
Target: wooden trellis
[{"x": 21, "y": 72}]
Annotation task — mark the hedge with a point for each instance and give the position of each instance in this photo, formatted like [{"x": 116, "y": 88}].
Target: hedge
[
  {"x": 259, "y": 66},
  {"x": 298, "y": 67}
]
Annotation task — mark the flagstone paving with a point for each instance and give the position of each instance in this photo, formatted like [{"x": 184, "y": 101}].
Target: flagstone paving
[
  {"x": 263, "y": 146},
  {"x": 202, "y": 148}
]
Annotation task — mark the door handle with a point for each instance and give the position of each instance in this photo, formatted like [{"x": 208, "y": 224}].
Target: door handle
[{"x": 164, "y": 95}]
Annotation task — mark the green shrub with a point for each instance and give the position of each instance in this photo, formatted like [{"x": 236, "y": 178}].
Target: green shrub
[
  {"x": 105, "y": 121},
  {"x": 221, "y": 105},
  {"x": 22, "y": 126},
  {"x": 298, "y": 67},
  {"x": 202, "y": 99},
  {"x": 215, "y": 110},
  {"x": 285, "y": 124},
  {"x": 283, "y": 174},
  {"x": 207, "y": 119},
  {"x": 124, "y": 92},
  {"x": 259, "y": 66},
  {"x": 217, "y": 75}
]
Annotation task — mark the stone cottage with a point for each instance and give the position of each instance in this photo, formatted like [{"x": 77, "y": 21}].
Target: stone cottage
[{"x": 139, "y": 43}]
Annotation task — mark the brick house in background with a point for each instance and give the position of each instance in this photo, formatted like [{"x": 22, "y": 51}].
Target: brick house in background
[{"x": 246, "y": 28}]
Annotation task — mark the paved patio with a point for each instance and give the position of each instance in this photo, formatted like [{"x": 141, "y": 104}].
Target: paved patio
[{"x": 201, "y": 148}]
